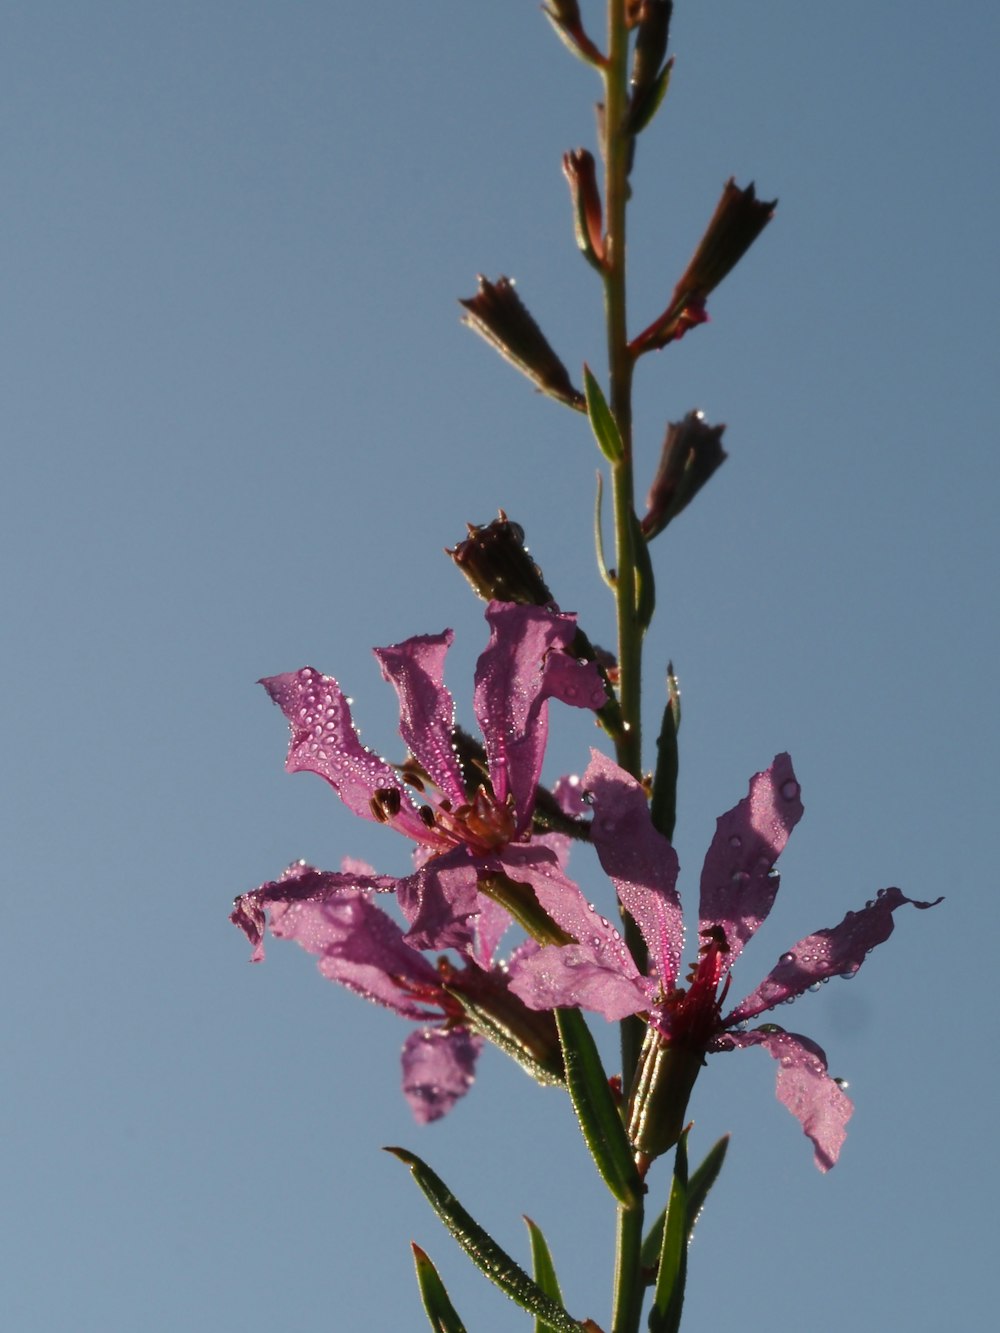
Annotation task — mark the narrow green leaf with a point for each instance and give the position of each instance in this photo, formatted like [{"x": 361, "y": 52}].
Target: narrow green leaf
[
  {"x": 700, "y": 1183},
  {"x": 703, "y": 1179},
  {"x": 544, "y": 1270},
  {"x": 602, "y": 422},
  {"x": 602, "y": 565},
  {"x": 436, "y": 1301},
  {"x": 595, "y": 1108},
  {"x": 494, "y": 1262},
  {"x": 645, "y": 584},
  {"x": 663, "y": 807},
  {"x": 668, "y": 1297}
]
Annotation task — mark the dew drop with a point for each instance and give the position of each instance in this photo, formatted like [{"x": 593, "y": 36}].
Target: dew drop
[
  {"x": 786, "y": 958},
  {"x": 736, "y": 840},
  {"x": 789, "y": 790}
]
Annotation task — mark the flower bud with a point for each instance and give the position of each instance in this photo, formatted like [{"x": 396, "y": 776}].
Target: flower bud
[
  {"x": 738, "y": 220},
  {"x": 496, "y": 562},
  {"x": 497, "y": 313},
  {"x": 649, "y": 75},
  {"x": 579, "y": 170},
  {"x": 692, "y": 451},
  {"x": 564, "y": 15}
]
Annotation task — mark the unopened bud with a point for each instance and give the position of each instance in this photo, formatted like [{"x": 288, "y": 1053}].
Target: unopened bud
[
  {"x": 692, "y": 451},
  {"x": 497, "y": 313},
  {"x": 497, "y": 563},
  {"x": 738, "y": 220},
  {"x": 564, "y": 15},
  {"x": 580, "y": 172},
  {"x": 649, "y": 75}
]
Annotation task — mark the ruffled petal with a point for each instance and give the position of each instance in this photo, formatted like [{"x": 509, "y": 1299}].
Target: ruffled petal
[
  {"x": 513, "y": 681},
  {"x": 415, "y": 669},
  {"x": 737, "y": 886},
  {"x": 438, "y": 1068},
  {"x": 325, "y": 742},
  {"x": 299, "y": 883},
  {"x": 639, "y": 860},
  {"x": 838, "y": 951},
  {"x": 816, "y": 1100},
  {"x": 362, "y": 948}
]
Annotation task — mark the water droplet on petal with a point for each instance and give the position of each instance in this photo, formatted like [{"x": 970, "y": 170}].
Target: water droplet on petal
[
  {"x": 786, "y": 958},
  {"x": 736, "y": 840},
  {"x": 789, "y": 790}
]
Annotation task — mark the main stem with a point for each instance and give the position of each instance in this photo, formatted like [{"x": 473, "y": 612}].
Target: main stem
[{"x": 628, "y": 1292}]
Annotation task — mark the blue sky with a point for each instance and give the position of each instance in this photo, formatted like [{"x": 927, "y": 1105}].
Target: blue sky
[{"x": 242, "y": 420}]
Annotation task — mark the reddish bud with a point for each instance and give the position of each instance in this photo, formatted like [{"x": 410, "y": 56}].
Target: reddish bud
[
  {"x": 497, "y": 313},
  {"x": 581, "y": 173},
  {"x": 738, "y": 220},
  {"x": 692, "y": 451}
]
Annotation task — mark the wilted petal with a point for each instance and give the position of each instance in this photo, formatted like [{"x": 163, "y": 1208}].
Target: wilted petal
[
  {"x": 838, "y": 951},
  {"x": 816, "y": 1100},
  {"x": 513, "y": 681},
  {"x": 415, "y": 668},
  {"x": 640, "y": 861},
  {"x": 737, "y": 887},
  {"x": 324, "y": 742},
  {"x": 438, "y": 1068},
  {"x": 299, "y": 883}
]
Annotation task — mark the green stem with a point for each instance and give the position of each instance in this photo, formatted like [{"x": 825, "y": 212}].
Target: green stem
[
  {"x": 629, "y": 1288},
  {"x": 628, "y": 1284}
]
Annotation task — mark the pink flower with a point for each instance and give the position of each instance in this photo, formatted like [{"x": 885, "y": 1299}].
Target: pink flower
[
  {"x": 364, "y": 949},
  {"x": 462, "y": 833},
  {"x": 738, "y": 887}
]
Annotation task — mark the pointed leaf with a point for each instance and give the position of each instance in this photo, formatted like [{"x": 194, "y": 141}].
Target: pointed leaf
[
  {"x": 595, "y": 1108},
  {"x": 668, "y": 1298},
  {"x": 602, "y": 422},
  {"x": 699, "y": 1185},
  {"x": 494, "y": 1262},
  {"x": 544, "y": 1270},
  {"x": 436, "y": 1302}
]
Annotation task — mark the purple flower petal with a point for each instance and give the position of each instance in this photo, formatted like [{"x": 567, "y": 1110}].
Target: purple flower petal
[
  {"x": 325, "y": 742},
  {"x": 737, "y": 886},
  {"x": 597, "y": 971},
  {"x": 415, "y": 668},
  {"x": 299, "y": 883},
  {"x": 513, "y": 682},
  {"x": 639, "y": 860},
  {"x": 838, "y": 951},
  {"x": 441, "y": 902},
  {"x": 817, "y": 1101},
  {"x": 438, "y": 1068},
  {"x": 362, "y": 948},
  {"x": 575, "y": 975}
]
